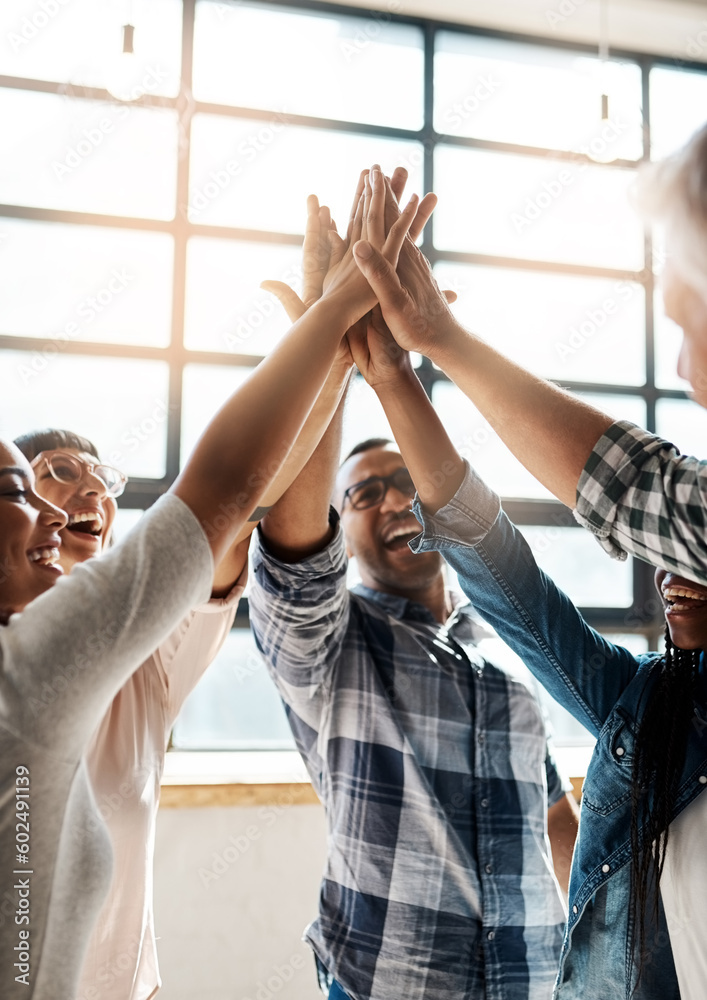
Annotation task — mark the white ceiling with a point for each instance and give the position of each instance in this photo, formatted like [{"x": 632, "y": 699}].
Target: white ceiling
[{"x": 676, "y": 28}]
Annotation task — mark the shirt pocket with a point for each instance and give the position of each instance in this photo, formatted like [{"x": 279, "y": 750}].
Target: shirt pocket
[{"x": 608, "y": 782}]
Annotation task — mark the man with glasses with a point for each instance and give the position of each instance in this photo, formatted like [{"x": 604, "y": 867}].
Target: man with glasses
[{"x": 431, "y": 762}]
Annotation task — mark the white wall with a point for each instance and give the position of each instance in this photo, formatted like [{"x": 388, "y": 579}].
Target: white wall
[{"x": 237, "y": 936}]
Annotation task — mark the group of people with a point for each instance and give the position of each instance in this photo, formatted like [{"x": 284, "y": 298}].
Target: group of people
[{"x": 456, "y": 868}]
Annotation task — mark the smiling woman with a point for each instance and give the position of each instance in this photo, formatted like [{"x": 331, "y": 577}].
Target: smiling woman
[{"x": 69, "y": 475}]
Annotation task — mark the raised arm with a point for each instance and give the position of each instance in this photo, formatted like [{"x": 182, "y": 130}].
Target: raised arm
[
  {"x": 633, "y": 490},
  {"x": 549, "y": 431},
  {"x": 462, "y": 519},
  {"x": 246, "y": 443}
]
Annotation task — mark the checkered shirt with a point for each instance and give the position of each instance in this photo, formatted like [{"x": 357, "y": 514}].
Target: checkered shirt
[
  {"x": 435, "y": 774},
  {"x": 638, "y": 494}
]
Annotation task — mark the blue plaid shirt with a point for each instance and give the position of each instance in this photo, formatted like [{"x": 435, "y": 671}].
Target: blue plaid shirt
[
  {"x": 638, "y": 494},
  {"x": 435, "y": 775}
]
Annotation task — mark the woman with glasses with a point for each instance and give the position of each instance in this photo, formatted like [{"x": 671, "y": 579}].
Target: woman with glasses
[
  {"x": 66, "y": 651},
  {"x": 125, "y": 758}
]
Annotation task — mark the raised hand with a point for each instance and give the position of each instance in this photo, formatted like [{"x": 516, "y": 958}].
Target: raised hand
[
  {"x": 375, "y": 352},
  {"x": 316, "y": 258},
  {"x": 344, "y": 280},
  {"x": 413, "y": 306}
]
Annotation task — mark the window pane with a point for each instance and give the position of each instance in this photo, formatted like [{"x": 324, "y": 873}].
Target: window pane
[
  {"x": 668, "y": 339},
  {"x": 125, "y": 519},
  {"x": 482, "y": 447},
  {"x": 536, "y": 96},
  {"x": 237, "y": 171},
  {"x": 684, "y": 423},
  {"x": 619, "y": 407},
  {"x": 235, "y": 705},
  {"x": 572, "y": 558},
  {"x": 87, "y": 156},
  {"x": 78, "y": 283},
  {"x": 542, "y": 209},
  {"x": 81, "y": 42},
  {"x": 678, "y": 108},
  {"x": 226, "y": 310},
  {"x": 309, "y": 64},
  {"x": 205, "y": 389},
  {"x": 574, "y": 328},
  {"x": 364, "y": 417},
  {"x": 120, "y": 404}
]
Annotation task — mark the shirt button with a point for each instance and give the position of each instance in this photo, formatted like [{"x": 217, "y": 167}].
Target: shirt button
[
  {"x": 606, "y": 868},
  {"x": 488, "y": 869},
  {"x": 491, "y": 935},
  {"x": 575, "y": 909},
  {"x": 482, "y": 737},
  {"x": 702, "y": 779},
  {"x": 620, "y": 751},
  {"x": 484, "y": 803}
]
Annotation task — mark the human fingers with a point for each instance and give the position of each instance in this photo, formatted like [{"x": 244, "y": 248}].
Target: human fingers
[
  {"x": 380, "y": 275},
  {"x": 398, "y": 180},
  {"x": 357, "y": 197},
  {"x": 310, "y": 252},
  {"x": 356, "y": 225},
  {"x": 374, "y": 212},
  {"x": 337, "y": 248},
  {"x": 399, "y": 230},
  {"x": 289, "y": 299},
  {"x": 424, "y": 211},
  {"x": 449, "y": 295}
]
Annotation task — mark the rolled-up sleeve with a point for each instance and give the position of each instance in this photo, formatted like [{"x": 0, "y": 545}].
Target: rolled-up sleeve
[
  {"x": 299, "y": 614},
  {"x": 639, "y": 495}
]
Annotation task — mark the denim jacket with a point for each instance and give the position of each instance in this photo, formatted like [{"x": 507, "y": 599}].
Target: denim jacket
[{"x": 601, "y": 685}]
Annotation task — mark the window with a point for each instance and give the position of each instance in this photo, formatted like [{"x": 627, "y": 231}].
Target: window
[{"x": 134, "y": 237}]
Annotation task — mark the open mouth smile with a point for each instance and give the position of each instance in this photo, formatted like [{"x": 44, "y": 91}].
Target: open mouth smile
[
  {"x": 682, "y": 600},
  {"x": 88, "y": 522}
]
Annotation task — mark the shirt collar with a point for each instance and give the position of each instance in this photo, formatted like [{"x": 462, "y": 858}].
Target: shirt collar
[{"x": 463, "y": 622}]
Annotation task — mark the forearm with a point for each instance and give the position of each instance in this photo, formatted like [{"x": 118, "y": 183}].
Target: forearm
[
  {"x": 550, "y": 432},
  {"x": 248, "y": 441},
  {"x": 298, "y": 524},
  {"x": 435, "y": 465}
]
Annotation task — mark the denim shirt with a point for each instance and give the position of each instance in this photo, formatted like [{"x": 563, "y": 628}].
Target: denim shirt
[{"x": 602, "y": 686}]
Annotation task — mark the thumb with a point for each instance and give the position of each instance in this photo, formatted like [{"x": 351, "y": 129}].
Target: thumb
[
  {"x": 379, "y": 274},
  {"x": 289, "y": 299}
]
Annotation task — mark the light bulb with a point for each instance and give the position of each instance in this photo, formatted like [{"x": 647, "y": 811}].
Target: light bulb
[{"x": 123, "y": 75}]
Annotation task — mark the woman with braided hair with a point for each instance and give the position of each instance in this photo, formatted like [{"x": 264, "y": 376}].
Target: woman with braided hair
[{"x": 636, "y": 927}]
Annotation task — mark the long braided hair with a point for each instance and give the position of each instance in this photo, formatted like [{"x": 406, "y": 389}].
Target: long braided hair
[{"x": 661, "y": 743}]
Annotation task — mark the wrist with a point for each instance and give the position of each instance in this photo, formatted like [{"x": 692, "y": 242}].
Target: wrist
[
  {"x": 449, "y": 337},
  {"x": 347, "y": 305}
]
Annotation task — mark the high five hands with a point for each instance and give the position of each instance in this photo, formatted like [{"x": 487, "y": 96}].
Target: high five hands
[{"x": 378, "y": 237}]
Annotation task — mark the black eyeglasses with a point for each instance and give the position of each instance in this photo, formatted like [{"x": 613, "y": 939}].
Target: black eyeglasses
[
  {"x": 70, "y": 470},
  {"x": 370, "y": 492}
]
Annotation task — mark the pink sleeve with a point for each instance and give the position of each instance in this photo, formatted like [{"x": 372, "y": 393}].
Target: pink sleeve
[{"x": 186, "y": 653}]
